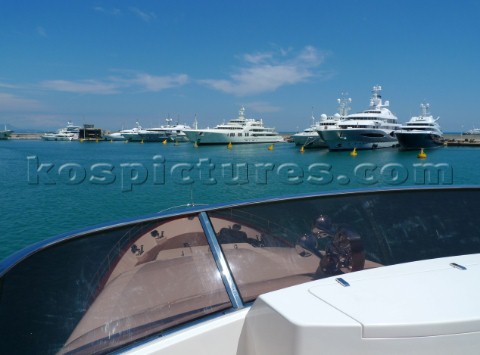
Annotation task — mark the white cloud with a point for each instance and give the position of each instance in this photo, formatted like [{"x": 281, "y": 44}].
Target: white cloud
[
  {"x": 263, "y": 72},
  {"x": 9, "y": 102},
  {"x": 154, "y": 83},
  {"x": 144, "y": 16},
  {"x": 80, "y": 87},
  {"x": 117, "y": 84},
  {"x": 112, "y": 12}
]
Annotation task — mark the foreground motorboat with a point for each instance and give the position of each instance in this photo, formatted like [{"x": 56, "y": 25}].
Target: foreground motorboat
[
  {"x": 238, "y": 130},
  {"x": 421, "y": 131},
  {"x": 309, "y": 137},
  {"x": 372, "y": 128},
  {"x": 352, "y": 272},
  {"x": 68, "y": 133}
]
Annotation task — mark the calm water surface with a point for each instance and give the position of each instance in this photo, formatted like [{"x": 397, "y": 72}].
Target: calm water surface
[{"x": 48, "y": 188}]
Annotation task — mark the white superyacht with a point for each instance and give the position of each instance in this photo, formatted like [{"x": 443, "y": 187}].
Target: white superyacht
[
  {"x": 309, "y": 138},
  {"x": 68, "y": 133},
  {"x": 421, "y": 131},
  {"x": 373, "y": 128},
  {"x": 235, "y": 131},
  {"x": 123, "y": 134}
]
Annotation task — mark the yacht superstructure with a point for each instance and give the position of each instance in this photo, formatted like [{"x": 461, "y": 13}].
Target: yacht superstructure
[
  {"x": 421, "y": 131},
  {"x": 69, "y": 133},
  {"x": 372, "y": 128},
  {"x": 237, "y": 130}
]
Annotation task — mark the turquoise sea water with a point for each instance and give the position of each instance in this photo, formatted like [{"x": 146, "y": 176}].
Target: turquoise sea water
[{"x": 48, "y": 188}]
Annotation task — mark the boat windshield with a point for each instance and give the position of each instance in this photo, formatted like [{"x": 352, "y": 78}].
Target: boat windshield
[{"x": 105, "y": 288}]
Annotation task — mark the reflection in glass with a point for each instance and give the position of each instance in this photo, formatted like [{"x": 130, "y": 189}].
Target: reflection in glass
[
  {"x": 283, "y": 243},
  {"x": 110, "y": 288}
]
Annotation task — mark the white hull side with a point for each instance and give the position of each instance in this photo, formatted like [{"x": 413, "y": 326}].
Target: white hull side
[
  {"x": 309, "y": 141},
  {"x": 361, "y": 138},
  {"x": 212, "y": 137},
  {"x": 61, "y": 139},
  {"x": 115, "y": 137}
]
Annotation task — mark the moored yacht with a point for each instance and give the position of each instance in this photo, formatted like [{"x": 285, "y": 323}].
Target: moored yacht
[
  {"x": 5, "y": 133},
  {"x": 373, "y": 128},
  {"x": 237, "y": 130},
  {"x": 473, "y": 131},
  {"x": 309, "y": 138},
  {"x": 123, "y": 134},
  {"x": 68, "y": 133},
  {"x": 421, "y": 131},
  {"x": 169, "y": 132}
]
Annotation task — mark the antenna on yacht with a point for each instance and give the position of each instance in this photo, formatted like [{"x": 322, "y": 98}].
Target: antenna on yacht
[
  {"x": 376, "y": 100},
  {"x": 344, "y": 104},
  {"x": 313, "y": 118},
  {"x": 425, "y": 106},
  {"x": 241, "y": 112},
  {"x": 195, "y": 122}
]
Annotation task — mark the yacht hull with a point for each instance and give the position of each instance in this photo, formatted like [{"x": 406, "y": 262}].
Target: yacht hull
[
  {"x": 5, "y": 134},
  {"x": 414, "y": 140},
  {"x": 161, "y": 136},
  {"x": 115, "y": 137},
  {"x": 347, "y": 139},
  {"x": 206, "y": 137},
  {"x": 57, "y": 138},
  {"x": 309, "y": 141}
]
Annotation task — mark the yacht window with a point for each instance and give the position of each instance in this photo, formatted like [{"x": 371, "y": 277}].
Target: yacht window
[
  {"x": 111, "y": 288},
  {"x": 285, "y": 243}
]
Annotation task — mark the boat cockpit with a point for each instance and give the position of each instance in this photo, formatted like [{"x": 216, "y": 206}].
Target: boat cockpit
[{"x": 116, "y": 286}]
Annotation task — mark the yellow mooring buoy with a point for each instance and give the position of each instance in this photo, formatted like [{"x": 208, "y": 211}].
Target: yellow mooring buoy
[
  {"x": 353, "y": 153},
  {"x": 195, "y": 145},
  {"x": 165, "y": 141},
  {"x": 270, "y": 147},
  {"x": 422, "y": 154},
  {"x": 230, "y": 145},
  {"x": 141, "y": 142},
  {"x": 302, "y": 149}
]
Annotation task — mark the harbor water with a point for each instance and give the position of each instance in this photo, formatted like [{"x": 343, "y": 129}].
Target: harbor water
[{"x": 49, "y": 188}]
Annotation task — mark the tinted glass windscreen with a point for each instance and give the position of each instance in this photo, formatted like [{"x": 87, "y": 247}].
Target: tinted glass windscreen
[{"x": 285, "y": 243}]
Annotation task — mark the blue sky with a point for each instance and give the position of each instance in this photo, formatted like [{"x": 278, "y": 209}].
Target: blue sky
[{"x": 112, "y": 63}]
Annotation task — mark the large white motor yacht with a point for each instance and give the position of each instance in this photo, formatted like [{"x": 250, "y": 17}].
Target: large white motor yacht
[
  {"x": 309, "y": 138},
  {"x": 421, "y": 131},
  {"x": 237, "y": 130},
  {"x": 169, "y": 132},
  {"x": 373, "y": 128},
  {"x": 68, "y": 133},
  {"x": 123, "y": 134}
]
